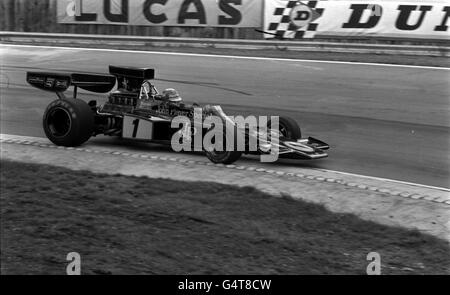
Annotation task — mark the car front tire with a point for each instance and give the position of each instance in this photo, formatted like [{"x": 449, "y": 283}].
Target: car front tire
[
  {"x": 224, "y": 157},
  {"x": 288, "y": 128}
]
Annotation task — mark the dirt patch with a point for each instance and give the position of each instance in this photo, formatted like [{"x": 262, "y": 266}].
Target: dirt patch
[{"x": 138, "y": 225}]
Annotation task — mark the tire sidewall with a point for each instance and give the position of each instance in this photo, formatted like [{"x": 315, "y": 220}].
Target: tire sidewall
[{"x": 227, "y": 157}]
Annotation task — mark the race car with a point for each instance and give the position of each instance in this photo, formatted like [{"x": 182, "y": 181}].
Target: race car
[{"x": 136, "y": 110}]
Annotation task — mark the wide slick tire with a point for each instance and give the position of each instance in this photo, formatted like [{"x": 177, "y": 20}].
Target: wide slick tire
[
  {"x": 225, "y": 157},
  {"x": 288, "y": 127},
  {"x": 68, "y": 122}
]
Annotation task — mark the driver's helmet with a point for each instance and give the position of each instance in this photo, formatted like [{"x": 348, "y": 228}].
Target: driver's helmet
[{"x": 171, "y": 95}]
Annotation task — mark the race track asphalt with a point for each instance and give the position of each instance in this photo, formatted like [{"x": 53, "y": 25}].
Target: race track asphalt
[{"x": 382, "y": 121}]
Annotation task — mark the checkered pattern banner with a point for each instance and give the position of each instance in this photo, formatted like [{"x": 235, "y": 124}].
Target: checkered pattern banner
[
  {"x": 296, "y": 19},
  {"x": 278, "y": 19}
]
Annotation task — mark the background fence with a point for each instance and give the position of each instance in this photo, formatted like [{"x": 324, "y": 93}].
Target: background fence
[{"x": 40, "y": 16}]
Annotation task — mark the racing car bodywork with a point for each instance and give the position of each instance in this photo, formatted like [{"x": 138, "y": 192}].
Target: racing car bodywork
[{"x": 136, "y": 110}]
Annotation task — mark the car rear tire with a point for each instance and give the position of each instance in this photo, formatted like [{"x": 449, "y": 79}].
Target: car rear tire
[
  {"x": 68, "y": 122},
  {"x": 289, "y": 128}
]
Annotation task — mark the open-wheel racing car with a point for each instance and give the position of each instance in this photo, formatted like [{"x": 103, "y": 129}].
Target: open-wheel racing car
[{"x": 136, "y": 110}]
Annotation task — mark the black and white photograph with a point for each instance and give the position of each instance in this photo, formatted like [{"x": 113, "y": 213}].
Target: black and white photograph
[{"x": 224, "y": 145}]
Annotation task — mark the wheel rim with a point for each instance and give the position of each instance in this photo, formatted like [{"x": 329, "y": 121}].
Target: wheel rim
[
  {"x": 59, "y": 122},
  {"x": 283, "y": 130}
]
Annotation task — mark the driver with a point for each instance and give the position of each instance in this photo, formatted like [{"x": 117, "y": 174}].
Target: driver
[{"x": 171, "y": 95}]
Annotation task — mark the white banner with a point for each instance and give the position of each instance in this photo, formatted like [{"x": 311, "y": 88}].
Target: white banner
[
  {"x": 216, "y": 13},
  {"x": 396, "y": 19}
]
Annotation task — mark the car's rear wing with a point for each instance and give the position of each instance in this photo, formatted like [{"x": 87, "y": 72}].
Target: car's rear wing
[
  {"x": 60, "y": 82},
  {"x": 132, "y": 72}
]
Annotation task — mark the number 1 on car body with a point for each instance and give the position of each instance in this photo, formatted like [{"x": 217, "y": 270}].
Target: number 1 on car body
[{"x": 136, "y": 128}]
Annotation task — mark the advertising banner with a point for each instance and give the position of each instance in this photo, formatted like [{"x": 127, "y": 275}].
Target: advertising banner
[
  {"x": 396, "y": 19},
  {"x": 214, "y": 13}
]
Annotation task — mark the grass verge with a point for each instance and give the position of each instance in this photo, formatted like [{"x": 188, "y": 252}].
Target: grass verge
[{"x": 136, "y": 225}]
